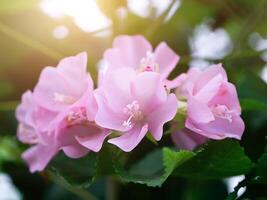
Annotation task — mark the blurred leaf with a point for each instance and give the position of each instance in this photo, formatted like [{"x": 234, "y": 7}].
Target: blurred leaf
[
  {"x": 204, "y": 190},
  {"x": 252, "y": 104},
  {"x": 104, "y": 160},
  {"x": 9, "y": 150},
  {"x": 155, "y": 168},
  {"x": 12, "y": 6},
  {"x": 216, "y": 160},
  {"x": 261, "y": 168},
  {"x": 8, "y": 122},
  {"x": 8, "y": 105},
  {"x": 78, "y": 172},
  {"x": 5, "y": 88},
  {"x": 252, "y": 87}
]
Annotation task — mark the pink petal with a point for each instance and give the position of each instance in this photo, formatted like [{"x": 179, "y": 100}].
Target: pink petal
[
  {"x": 129, "y": 140},
  {"x": 132, "y": 50},
  {"x": 161, "y": 115},
  {"x": 43, "y": 119},
  {"x": 166, "y": 58},
  {"x": 105, "y": 116},
  {"x": 219, "y": 128},
  {"x": 75, "y": 66},
  {"x": 176, "y": 82},
  {"x": 62, "y": 81},
  {"x": 93, "y": 141},
  {"x": 199, "y": 112},
  {"x": 116, "y": 87},
  {"x": 75, "y": 151},
  {"x": 186, "y": 139},
  {"x": 24, "y": 111},
  {"x": 209, "y": 90},
  {"x": 37, "y": 157},
  {"x": 147, "y": 89},
  {"x": 227, "y": 95},
  {"x": 27, "y": 134},
  {"x": 113, "y": 58},
  {"x": 208, "y": 74}
]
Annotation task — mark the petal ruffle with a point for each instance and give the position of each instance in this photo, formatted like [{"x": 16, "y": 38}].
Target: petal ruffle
[
  {"x": 160, "y": 116},
  {"x": 129, "y": 140},
  {"x": 166, "y": 58}
]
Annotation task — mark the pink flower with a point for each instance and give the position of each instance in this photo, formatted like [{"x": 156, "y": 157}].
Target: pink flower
[
  {"x": 32, "y": 120},
  {"x": 187, "y": 139},
  {"x": 213, "y": 108},
  {"x": 133, "y": 104},
  {"x": 136, "y": 52},
  {"x": 60, "y": 114}
]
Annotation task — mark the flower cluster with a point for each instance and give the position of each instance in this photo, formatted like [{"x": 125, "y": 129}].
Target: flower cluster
[{"x": 133, "y": 98}]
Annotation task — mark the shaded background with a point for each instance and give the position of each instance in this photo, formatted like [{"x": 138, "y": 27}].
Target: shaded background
[{"x": 37, "y": 33}]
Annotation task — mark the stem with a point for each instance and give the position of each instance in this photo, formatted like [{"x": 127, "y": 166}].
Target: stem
[{"x": 8, "y": 31}]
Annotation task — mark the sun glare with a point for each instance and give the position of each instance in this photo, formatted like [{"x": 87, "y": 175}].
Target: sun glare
[{"x": 85, "y": 13}]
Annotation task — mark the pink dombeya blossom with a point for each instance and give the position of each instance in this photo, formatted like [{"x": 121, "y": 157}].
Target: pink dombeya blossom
[
  {"x": 132, "y": 104},
  {"x": 213, "y": 108},
  {"x": 137, "y": 53},
  {"x": 31, "y": 130},
  {"x": 59, "y": 114}
]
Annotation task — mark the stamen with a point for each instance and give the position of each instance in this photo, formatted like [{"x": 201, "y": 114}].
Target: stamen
[
  {"x": 134, "y": 113},
  {"x": 148, "y": 63},
  {"x": 78, "y": 116},
  {"x": 223, "y": 112}
]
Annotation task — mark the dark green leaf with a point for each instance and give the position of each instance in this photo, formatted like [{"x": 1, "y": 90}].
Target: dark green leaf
[
  {"x": 78, "y": 172},
  {"x": 253, "y": 104},
  {"x": 155, "y": 168},
  {"x": 261, "y": 169},
  {"x": 9, "y": 150},
  {"x": 216, "y": 160},
  {"x": 252, "y": 87},
  {"x": 104, "y": 160}
]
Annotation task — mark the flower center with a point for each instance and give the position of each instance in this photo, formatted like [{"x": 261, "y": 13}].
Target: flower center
[
  {"x": 222, "y": 111},
  {"x": 134, "y": 114},
  {"x": 148, "y": 63},
  {"x": 78, "y": 116},
  {"x": 61, "y": 98}
]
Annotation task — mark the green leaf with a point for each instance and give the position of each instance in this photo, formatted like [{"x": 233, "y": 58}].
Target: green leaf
[
  {"x": 78, "y": 172},
  {"x": 261, "y": 169},
  {"x": 9, "y": 150},
  {"x": 105, "y": 159},
  {"x": 216, "y": 160},
  {"x": 11, "y": 6},
  {"x": 253, "y": 104},
  {"x": 5, "y": 88},
  {"x": 252, "y": 87},
  {"x": 155, "y": 168}
]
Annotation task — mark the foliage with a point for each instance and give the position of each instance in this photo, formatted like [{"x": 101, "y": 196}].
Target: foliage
[{"x": 28, "y": 46}]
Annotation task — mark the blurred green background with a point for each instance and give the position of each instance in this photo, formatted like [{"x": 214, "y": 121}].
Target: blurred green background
[{"x": 37, "y": 33}]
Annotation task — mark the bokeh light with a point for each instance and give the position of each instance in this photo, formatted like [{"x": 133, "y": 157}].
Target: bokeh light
[
  {"x": 60, "y": 32},
  {"x": 86, "y": 14}
]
